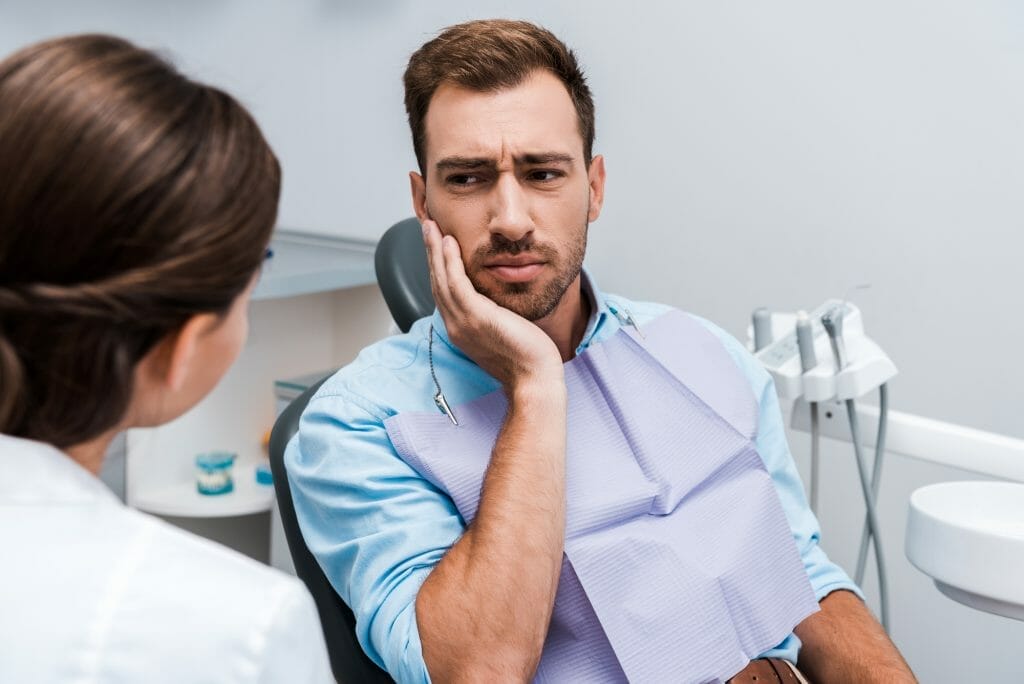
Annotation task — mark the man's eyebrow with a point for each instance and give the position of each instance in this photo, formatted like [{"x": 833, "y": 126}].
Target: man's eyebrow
[
  {"x": 464, "y": 163},
  {"x": 546, "y": 158}
]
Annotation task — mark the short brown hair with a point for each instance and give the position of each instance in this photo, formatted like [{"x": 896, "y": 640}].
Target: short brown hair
[
  {"x": 489, "y": 55},
  {"x": 131, "y": 199}
]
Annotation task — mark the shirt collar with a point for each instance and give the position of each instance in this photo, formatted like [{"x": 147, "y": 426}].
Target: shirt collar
[
  {"x": 600, "y": 316},
  {"x": 599, "y": 311}
]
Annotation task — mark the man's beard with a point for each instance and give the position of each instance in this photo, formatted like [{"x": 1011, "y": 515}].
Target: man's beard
[{"x": 531, "y": 300}]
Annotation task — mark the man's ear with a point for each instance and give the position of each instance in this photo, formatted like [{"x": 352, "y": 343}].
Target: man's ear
[
  {"x": 178, "y": 352},
  {"x": 418, "y": 187},
  {"x": 595, "y": 175}
]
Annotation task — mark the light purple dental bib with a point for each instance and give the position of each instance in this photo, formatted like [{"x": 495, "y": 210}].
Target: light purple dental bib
[{"x": 679, "y": 563}]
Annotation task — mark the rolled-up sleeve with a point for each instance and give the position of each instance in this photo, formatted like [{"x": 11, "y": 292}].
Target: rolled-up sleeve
[{"x": 376, "y": 527}]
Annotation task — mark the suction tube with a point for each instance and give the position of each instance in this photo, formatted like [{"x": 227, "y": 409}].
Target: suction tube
[{"x": 872, "y": 515}]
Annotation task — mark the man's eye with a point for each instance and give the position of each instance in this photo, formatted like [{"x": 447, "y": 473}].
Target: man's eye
[
  {"x": 544, "y": 176},
  {"x": 463, "y": 179}
]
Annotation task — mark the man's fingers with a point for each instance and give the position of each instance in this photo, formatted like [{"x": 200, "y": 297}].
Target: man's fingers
[
  {"x": 454, "y": 294},
  {"x": 455, "y": 268},
  {"x": 464, "y": 295}
]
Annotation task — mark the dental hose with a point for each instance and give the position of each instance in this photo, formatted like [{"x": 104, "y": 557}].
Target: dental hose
[
  {"x": 815, "y": 457},
  {"x": 876, "y": 475},
  {"x": 872, "y": 516}
]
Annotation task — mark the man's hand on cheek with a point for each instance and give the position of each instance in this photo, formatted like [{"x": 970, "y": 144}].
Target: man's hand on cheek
[{"x": 510, "y": 348}]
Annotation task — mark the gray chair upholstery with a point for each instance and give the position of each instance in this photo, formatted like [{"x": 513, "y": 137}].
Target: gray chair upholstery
[
  {"x": 401, "y": 266},
  {"x": 348, "y": 661}
]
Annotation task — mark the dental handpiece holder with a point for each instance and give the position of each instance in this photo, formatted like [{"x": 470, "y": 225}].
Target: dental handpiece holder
[{"x": 865, "y": 367}]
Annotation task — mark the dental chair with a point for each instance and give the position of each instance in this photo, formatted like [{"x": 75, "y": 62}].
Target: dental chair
[{"x": 401, "y": 265}]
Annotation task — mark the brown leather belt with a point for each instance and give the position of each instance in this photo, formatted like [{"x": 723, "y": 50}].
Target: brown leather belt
[{"x": 766, "y": 671}]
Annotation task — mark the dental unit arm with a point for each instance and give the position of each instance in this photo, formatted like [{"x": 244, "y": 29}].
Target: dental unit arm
[{"x": 826, "y": 357}]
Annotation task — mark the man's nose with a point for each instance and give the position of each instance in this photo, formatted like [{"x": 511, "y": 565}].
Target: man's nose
[{"x": 510, "y": 212}]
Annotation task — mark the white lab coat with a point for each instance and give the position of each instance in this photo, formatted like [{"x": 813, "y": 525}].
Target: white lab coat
[{"x": 93, "y": 591}]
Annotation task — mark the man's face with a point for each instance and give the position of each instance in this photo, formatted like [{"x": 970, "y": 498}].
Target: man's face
[{"x": 505, "y": 176}]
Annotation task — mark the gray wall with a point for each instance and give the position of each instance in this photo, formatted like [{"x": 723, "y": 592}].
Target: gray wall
[{"x": 758, "y": 154}]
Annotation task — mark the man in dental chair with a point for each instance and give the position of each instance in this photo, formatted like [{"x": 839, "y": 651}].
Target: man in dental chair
[{"x": 543, "y": 481}]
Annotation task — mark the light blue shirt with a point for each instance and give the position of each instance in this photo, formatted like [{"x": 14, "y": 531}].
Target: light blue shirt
[{"x": 378, "y": 528}]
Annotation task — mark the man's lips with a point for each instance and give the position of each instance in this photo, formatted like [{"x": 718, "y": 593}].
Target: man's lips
[{"x": 515, "y": 269}]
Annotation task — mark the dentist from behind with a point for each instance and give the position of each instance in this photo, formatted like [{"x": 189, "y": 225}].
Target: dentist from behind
[{"x": 135, "y": 210}]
